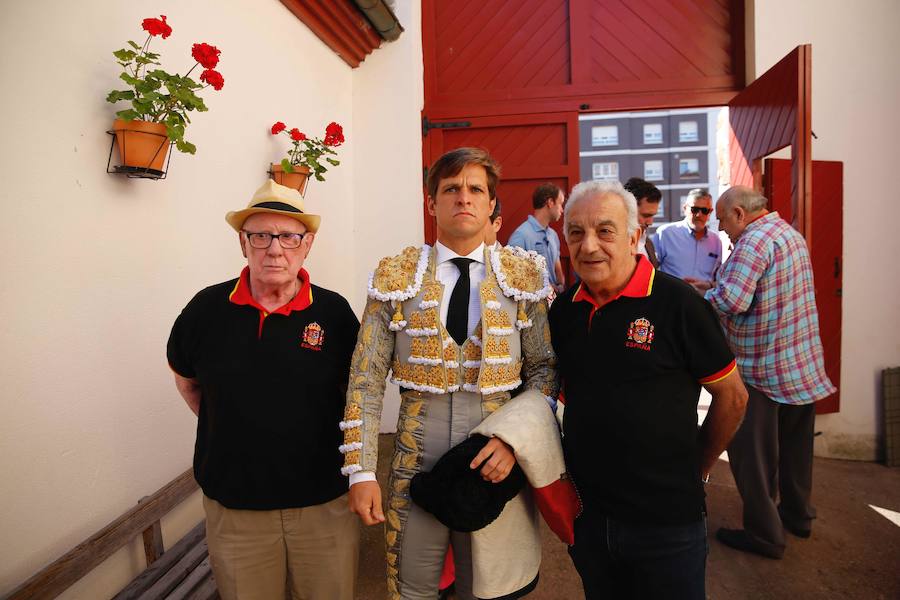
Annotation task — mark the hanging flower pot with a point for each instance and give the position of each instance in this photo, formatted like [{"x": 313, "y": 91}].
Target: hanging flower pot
[
  {"x": 306, "y": 156},
  {"x": 142, "y": 144},
  {"x": 296, "y": 179},
  {"x": 160, "y": 102}
]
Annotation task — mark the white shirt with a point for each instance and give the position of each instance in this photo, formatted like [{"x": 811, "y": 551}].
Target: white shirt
[
  {"x": 448, "y": 274},
  {"x": 642, "y": 243}
]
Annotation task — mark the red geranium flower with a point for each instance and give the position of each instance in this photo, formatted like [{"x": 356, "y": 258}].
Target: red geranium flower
[
  {"x": 297, "y": 135},
  {"x": 334, "y": 135},
  {"x": 206, "y": 55},
  {"x": 278, "y": 127},
  {"x": 213, "y": 78},
  {"x": 157, "y": 26}
]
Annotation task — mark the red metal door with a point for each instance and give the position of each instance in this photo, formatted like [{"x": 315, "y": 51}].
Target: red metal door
[{"x": 825, "y": 251}]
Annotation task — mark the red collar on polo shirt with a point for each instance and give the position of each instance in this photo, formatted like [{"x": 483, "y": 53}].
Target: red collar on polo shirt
[
  {"x": 241, "y": 295},
  {"x": 639, "y": 286}
]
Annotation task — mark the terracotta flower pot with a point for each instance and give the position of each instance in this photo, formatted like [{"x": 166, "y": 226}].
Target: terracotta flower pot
[
  {"x": 142, "y": 144},
  {"x": 297, "y": 180}
]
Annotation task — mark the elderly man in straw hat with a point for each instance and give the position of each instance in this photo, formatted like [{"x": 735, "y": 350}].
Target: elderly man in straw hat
[{"x": 263, "y": 361}]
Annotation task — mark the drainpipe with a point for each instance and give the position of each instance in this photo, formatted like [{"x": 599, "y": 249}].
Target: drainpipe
[{"x": 381, "y": 17}]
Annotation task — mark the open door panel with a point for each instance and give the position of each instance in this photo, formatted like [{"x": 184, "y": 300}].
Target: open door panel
[
  {"x": 827, "y": 202},
  {"x": 772, "y": 113}
]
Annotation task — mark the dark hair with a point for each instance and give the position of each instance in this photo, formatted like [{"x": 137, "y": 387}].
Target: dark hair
[
  {"x": 543, "y": 193},
  {"x": 496, "y": 212},
  {"x": 643, "y": 190},
  {"x": 451, "y": 163}
]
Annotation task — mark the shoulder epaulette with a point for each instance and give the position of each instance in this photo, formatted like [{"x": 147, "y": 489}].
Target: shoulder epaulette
[
  {"x": 399, "y": 277},
  {"x": 521, "y": 274}
]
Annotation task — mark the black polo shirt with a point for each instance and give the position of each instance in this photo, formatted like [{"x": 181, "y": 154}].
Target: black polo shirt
[
  {"x": 631, "y": 373},
  {"x": 273, "y": 393}
]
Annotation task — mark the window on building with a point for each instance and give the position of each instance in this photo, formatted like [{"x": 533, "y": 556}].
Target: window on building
[
  {"x": 683, "y": 203},
  {"x": 653, "y": 133},
  {"x": 653, "y": 170},
  {"x": 687, "y": 131},
  {"x": 605, "y": 135},
  {"x": 689, "y": 167},
  {"x": 606, "y": 170}
]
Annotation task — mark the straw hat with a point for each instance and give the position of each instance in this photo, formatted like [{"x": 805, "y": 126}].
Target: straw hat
[{"x": 278, "y": 200}]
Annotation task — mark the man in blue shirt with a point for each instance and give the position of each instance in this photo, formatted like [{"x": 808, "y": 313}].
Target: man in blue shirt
[
  {"x": 536, "y": 234},
  {"x": 688, "y": 249}
]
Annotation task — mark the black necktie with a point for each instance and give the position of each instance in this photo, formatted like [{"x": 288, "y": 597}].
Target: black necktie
[{"x": 458, "y": 309}]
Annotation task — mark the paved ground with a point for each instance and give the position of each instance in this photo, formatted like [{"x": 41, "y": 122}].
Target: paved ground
[{"x": 854, "y": 551}]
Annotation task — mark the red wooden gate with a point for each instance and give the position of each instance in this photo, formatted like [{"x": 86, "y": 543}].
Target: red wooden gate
[
  {"x": 518, "y": 73},
  {"x": 825, "y": 250}
]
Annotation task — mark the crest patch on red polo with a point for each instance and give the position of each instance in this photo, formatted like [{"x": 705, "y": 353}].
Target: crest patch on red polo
[
  {"x": 313, "y": 337},
  {"x": 640, "y": 334}
]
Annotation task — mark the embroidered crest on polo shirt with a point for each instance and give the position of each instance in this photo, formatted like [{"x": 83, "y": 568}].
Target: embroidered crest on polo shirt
[
  {"x": 313, "y": 337},
  {"x": 640, "y": 334}
]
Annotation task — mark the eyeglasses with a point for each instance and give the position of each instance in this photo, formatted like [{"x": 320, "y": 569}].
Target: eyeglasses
[
  {"x": 701, "y": 209},
  {"x": 263, "y": 240}
]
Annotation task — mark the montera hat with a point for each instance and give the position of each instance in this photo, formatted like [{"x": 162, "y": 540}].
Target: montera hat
[
  {"x": 457, "y": 495},
  {"x": 276, "y": 199}
]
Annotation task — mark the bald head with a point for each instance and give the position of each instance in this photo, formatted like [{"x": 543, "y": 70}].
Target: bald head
[
  {"x": 737, "y": 207},
  {"x": 747, "y": 198}
]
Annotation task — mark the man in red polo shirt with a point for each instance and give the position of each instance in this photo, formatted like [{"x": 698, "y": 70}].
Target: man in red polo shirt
[
  {"x": 263, "y": 361},
  {"x": 634, "y": 346}
]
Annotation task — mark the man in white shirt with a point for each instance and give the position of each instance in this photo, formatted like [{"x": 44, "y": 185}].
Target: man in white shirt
[{"x": 460, "y": 326}]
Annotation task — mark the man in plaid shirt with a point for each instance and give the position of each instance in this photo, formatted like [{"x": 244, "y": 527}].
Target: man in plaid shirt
[{"x": 766, "y": 300}]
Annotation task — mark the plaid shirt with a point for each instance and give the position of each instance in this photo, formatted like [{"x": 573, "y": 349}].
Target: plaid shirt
[{"x": 766, "y": 300}]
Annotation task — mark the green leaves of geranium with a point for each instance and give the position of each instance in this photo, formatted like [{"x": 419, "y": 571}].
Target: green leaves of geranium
[
  {"x": 128, "y": 114},
  {"x": 116, "y": 95},
  {"x": 155, "y": 95},
  {"x": 125, "y": 55}
]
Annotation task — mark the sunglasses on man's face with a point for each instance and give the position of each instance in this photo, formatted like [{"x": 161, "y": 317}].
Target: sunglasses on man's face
[{"x": 701, "y": 209}]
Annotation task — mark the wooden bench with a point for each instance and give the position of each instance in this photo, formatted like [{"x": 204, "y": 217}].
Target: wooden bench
[{"x": 181, "y": 572}]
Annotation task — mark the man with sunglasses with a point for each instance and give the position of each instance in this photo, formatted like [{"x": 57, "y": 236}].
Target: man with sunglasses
[
  {"x": 263, "y": 362},
  {"x": 688, "y": 249}
]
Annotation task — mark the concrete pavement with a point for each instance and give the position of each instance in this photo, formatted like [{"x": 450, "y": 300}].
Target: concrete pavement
[{"x": 854, "y": 551}]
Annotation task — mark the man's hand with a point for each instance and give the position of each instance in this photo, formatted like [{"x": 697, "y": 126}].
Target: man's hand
[
  {"x": 701, "y": 285},
  {"x": 500, "y": 463},
  {"x": 365, "y": 501}
]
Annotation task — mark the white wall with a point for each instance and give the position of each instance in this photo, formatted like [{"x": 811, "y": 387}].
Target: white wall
[
  {"x": 855, "y": 87},
  {"x": 97, "y": 267},
  {"x": 387, "y": 182}
]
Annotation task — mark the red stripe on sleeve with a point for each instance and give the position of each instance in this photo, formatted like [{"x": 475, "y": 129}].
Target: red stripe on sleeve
[{"x": 720, "y": 375}]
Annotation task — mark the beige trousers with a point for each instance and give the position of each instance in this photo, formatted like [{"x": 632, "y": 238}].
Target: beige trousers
[{"x": 258, "y": 554}]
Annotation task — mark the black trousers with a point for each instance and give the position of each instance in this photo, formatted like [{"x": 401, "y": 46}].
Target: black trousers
[
  {"x": 771, "y": 456},
  {"x": 628, "y": 561}
]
